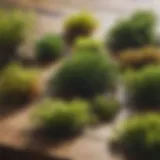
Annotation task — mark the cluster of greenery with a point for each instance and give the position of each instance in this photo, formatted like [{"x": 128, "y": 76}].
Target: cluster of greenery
[
  {"x": 85, "y": 75},
  {"x": 49, "y": 48},
  {"x": 62, "y": 118},
  {"x": 90, "y": 71},
  {"x": 133, "y": 41},
  {"x": 84, "y": 44},
  {"x": 139, "y": 58},
  {"x": 144, "y": 86},
  {"x": 78, "y": 25},
  {"x": 65, "y": 118},
  {"x": 139, "y": 137},
  {"x": 18, "y": 85},
  {"x": 105, "y": 108},
  {"x": 13, "y": 28},
  {"x": 135, "y": 31}
]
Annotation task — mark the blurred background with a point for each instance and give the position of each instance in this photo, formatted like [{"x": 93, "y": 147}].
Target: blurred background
[{"x": 72, "y": 72}]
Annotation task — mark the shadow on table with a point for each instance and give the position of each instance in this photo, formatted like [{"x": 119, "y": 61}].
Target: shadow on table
[{"x": 9, "y": 153}]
